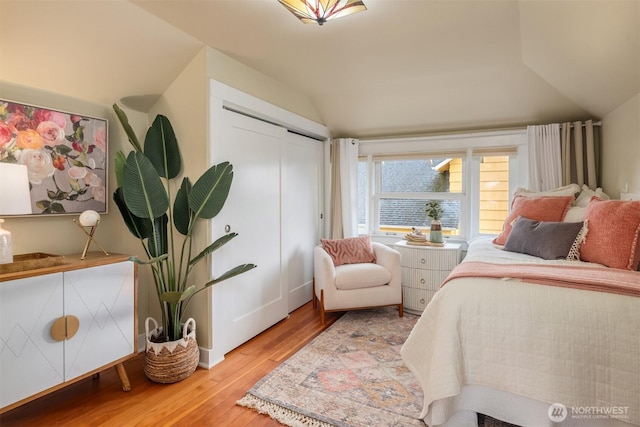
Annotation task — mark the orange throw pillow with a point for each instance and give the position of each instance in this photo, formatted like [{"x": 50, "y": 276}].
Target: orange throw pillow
[
  {"x": 352, "y": 250},
  {"x": 545, "y": 208},
  {"x": 614, "y": 226}
]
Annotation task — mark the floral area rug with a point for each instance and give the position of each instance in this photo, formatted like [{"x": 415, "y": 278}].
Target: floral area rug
[{"x": 350, "y": 375}]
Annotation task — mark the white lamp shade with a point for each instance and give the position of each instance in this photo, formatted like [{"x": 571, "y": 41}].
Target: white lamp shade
[
  {"x": 15, "y": 198},
  {"x": 89, "y": 218}
]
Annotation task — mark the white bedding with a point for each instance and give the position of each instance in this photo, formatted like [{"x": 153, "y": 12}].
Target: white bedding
[{"x": 525, "y": 346}]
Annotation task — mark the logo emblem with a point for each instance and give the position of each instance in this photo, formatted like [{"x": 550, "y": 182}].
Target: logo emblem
[{"x": 557, "y": 412}]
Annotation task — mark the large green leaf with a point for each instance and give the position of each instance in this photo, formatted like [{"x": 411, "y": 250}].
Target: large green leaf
[
  {"x": 119, "y": 162},
  {"x": 161, "y": 148},
  {"x": 212, "y": 247},
  {"x": 243, "y": 268},
  {"x": 139, "y": 261},
  {"x": 124, "y": 121},
  {"x": 144, "y": 193},
  {"x": 139, "y": 227},
  {"x": 176, "y": 297},
  {"x": 231, "y": 273},
  {"x": 181, "y": 213},
  {"x": 158, "y": 240},
  {"x": 210, "y": 191}
]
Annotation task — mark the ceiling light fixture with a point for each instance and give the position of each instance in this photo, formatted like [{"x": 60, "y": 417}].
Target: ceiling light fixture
[{"x": 321, "y": 11}]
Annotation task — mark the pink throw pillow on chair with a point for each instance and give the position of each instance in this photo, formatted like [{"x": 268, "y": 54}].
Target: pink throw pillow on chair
[{"x": 352, "y": 250}]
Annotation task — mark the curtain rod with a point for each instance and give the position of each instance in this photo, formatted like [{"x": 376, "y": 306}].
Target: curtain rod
[{"x": 598, "y": 123}]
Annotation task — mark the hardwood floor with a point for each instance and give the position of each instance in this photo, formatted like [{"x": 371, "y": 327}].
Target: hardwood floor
[{"x": 207, "y": 398}]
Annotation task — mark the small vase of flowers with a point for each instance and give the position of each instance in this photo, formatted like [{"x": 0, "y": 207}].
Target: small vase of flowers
[{"x": 434, "y": 212}]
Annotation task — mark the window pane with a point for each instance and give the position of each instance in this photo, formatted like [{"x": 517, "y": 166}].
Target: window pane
[
  {"x": 362, "y": 191},
  {"x": 494, "y": 193},
  {"x": 409, "y": 213},
  {"x": 415, "y": 176}
]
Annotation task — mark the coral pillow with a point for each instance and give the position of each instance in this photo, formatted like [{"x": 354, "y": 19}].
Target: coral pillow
[
  {"x": 614, "y": 226},
  {"x": 353, "y": 250},
  {"x": 546, "y": 208}
]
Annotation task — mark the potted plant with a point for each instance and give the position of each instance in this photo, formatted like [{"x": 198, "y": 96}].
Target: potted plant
[
  {"x": 434, "y": 211},
  {"x": 143, "y": 196}
]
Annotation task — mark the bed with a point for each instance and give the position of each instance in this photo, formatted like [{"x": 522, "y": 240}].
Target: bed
[{"x": 533, "y": 341}]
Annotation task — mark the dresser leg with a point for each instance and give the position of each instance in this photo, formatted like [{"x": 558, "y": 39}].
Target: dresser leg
[{"x": 124, "y": 379}]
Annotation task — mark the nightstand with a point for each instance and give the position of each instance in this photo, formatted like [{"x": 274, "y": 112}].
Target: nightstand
[{"x": 424, "y": 268}]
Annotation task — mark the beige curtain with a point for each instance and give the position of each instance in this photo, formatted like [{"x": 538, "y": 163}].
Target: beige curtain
[
  {"x": 580, "y": 154},
  {"x": 344, "y": 188},
  {"x": 336, "y": 194},
  {"x": 545, "y": 167}
]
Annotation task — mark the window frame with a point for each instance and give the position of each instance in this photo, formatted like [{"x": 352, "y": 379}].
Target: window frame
[{"x": 470, "y": 147}]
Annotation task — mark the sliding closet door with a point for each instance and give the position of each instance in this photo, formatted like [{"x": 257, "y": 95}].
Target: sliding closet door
[
  {"x": 246, "y": 305},
  {"x": 301, "y": 201}
]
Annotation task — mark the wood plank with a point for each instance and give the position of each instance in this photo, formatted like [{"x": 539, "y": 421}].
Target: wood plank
[
  {"x": 208, "y": 397},
  {"x": 71, "y": 262}
]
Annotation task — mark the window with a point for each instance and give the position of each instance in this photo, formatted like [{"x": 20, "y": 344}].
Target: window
[
  {"x": 472, "y": 185},
  {"x": 493, "y": 193},
  {"x": 406, "y": 185}
]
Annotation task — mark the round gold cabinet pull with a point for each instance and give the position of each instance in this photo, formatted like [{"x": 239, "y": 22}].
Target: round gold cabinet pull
[
  {"x": 65, "y": 327},
  {"x": 59, "y": 329},
  {"x": 73, "y": 324}
]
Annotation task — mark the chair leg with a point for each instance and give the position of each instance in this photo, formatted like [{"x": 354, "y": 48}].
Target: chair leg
[
  {"x": 322, "y": 307},
  {"x": 401, "y": 305},
  {"x": 313, "y": 298}
]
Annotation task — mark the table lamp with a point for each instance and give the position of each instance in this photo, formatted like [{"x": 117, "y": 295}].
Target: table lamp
[
  {"x": 89, "y": 219},
  {"x": 15, "y": 199}
]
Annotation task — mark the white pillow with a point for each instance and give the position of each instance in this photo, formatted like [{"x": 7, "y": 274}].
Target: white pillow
[
  {"x": 586, "y": 194},
  {"x": 575, "y": 214},
  {"x": 567, "y": 190}
]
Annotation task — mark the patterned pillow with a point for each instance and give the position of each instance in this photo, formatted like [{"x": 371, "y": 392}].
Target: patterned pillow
[
  {"x": 614, "y": 226},
  {"x": 352, "y": 250},
  {"x": 544, "y": 239},
  {"x": 545, "y": 208}
]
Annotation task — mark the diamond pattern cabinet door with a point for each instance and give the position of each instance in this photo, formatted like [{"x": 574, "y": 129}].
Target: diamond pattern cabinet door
[
  {"x": 103, "y": 300},
  {"x": 30, "y": 360}
]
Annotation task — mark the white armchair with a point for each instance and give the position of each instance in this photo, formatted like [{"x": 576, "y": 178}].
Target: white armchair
[{"x": 357, "y": 286}]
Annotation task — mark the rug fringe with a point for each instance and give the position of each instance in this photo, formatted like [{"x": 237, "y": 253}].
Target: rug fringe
[{"x": 281, "y": 414}]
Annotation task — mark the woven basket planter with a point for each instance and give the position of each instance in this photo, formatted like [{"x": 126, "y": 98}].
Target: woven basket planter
[{"x": 172, "y": 361}]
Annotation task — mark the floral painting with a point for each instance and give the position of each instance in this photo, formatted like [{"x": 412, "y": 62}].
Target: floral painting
[{"x": 65, "y": 155}]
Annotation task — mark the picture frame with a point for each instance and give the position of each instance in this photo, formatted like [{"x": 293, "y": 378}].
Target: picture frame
[{"x": 66, "y": 155}]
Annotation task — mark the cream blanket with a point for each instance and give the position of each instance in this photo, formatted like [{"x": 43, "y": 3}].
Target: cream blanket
[{"x": 553, "y": 344}]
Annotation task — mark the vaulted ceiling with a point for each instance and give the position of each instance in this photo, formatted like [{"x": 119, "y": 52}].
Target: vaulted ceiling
[{"x": 401, "y": 67}]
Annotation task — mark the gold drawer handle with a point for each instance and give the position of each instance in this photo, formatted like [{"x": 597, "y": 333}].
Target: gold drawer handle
[
  {"x": 64, "y": 328},
  {"x": 423, "y": 261}
]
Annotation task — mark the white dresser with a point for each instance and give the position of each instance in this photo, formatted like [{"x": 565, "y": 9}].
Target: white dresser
[
  {"x": 64, "y": 323},
  {"x": 424, "y": 268}
]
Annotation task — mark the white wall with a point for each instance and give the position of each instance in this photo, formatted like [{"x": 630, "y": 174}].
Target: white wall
[{"x": 621, "y": 148}]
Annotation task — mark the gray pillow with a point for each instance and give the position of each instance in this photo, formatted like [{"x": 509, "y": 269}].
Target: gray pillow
[{"x": 544, "y": 239}]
